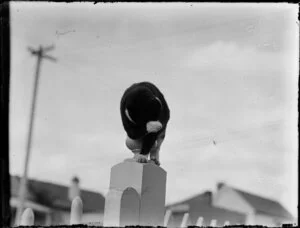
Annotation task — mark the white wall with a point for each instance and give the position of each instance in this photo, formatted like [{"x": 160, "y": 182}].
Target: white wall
[
  {"x": 229, "y": 199},
  {"x": 94, "y": 218},
  {"x": 267, "y": 220},
  {"x": 250, "y": 218},
  {"x": 60, "y": 217},
  {"x": 264, "y": 220}
]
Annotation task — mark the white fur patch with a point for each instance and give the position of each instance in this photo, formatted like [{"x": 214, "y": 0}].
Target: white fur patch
[{"x": 153, "y": 126}]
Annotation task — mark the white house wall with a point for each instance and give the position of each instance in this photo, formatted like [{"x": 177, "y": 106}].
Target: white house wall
[
  {"x": 264, "y": 220},
  {"x": 60, "y": 217},
  {"x": 267, "y": 220},
  {"x": 37, "y": 209},
  {"x": 94, "y": 218},
  {"x": 14, "y": 202},
  {"x": 229, "y": 199},
  {"x": 63, "y": 218}
]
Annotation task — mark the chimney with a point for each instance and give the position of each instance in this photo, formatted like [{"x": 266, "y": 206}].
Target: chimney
[
  {"x": 74, "y": 189},
  {"x": 220, "y": 185},
  {"x": 208, "y": 193}
]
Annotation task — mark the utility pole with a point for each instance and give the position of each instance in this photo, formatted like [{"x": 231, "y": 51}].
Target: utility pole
[
  {"x": 5, "y": 63},
  {"x": 40, "y": 53}
]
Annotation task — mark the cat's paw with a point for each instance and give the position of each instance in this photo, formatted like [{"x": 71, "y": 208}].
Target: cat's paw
[
  {"x": 140, "y": 158},
  {"x": 155, "y": 161}
]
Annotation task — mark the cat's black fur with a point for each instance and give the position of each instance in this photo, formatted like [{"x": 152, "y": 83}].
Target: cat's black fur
[{"x": 140, "y": 100}]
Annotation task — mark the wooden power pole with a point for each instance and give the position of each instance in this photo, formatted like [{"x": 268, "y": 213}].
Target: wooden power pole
[{"x": 40, "y": 53}]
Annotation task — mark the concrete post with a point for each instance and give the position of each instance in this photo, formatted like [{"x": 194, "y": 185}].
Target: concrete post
[
  {"x": 185, "y": 220},
  {"x": 27, "y": 218},
  {"x": 136, "y": 195},
  {"x": 199, "y": 221},
  {"x": 76, "y": 211}
]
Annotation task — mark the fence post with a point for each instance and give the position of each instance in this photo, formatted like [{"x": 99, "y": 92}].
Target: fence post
[
  {"x": 76, "y": 211},
  {"x": 137, "y": 190},
  {"x": 227, "y": 223},
  {"x": 167, "y": 217},
  {"x": 185, "y": 219},
  {"x": 213, "y": 223},
  {"x": 199, "y": 221},
  {"x": 27, "y": 218}
]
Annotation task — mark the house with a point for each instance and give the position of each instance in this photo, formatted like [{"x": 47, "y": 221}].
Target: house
[
  {"x": 232, "y": 205},
  {"x": 258, "y": 210},
  {"x": 51, "y": 202},
  {"x": 201, "y": 205}
]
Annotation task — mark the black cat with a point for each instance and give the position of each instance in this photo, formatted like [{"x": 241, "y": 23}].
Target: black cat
[{"x": 145, "y": 114}]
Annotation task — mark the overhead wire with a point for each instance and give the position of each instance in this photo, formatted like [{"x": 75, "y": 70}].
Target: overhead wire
[{"x": 229, "y": 135}]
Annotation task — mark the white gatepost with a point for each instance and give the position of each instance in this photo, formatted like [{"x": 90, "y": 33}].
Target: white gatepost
[
  {"x": 136, "y": 195},
  {"x": 76, "y": 211},
  {"x": 27, "y": 218}
]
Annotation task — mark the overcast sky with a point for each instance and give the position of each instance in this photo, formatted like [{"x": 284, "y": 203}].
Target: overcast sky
[{"x": 229, "y": 73}]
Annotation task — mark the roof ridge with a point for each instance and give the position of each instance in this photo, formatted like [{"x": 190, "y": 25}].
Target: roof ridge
[
  {"x": 56, "y": 184},
  {"x": 229, "y": 210},
  {"x": 256, "y": 195},
  {"x": 275, "y": 203},
  {"x": 54, "y": 192},
  {"x": 189, "y": 198}
]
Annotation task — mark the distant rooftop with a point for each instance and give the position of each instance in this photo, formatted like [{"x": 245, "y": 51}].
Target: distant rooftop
[
  {"x": 56, "y": 195},
  {"x": 265, "y": 205},
  {"x": 201, "y": 205}
]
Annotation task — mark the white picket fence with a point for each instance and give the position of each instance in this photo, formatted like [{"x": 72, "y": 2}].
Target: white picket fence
[
  {"x": 27, "y": 218},
  {"x": 136, "y": 197}
]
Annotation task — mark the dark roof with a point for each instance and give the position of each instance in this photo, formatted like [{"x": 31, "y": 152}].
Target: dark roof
[
  {"x": 201, "y": 205},
  {"x": 264, "y": 205},
  {"x": 56, "y": 196}
]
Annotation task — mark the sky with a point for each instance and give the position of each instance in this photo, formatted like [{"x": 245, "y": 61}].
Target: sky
[{"x": 229, "y": 73}]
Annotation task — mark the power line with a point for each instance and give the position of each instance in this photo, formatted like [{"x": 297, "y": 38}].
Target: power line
[
  {"x": 40, "y": 53},
  {"x": 230, "y": 135},
  {"x": 186, "y": 32}
]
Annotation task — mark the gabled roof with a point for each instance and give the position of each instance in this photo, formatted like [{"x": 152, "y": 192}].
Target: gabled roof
[
  {"x": 201, "y": 205},
  {"x": 264, "y": 205},
  {"x": 56, "y": 196}
]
